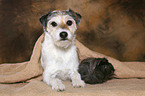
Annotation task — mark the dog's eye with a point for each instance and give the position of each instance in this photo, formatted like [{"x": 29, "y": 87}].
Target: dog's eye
[
  {"x": 54, "y": 24},
  {"x": 69, "y": 22}
]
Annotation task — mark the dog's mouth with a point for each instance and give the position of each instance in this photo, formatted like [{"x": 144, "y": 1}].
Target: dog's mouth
[
  {"x": 64, "y": 43},
  {"x": 63, "y": 39}
]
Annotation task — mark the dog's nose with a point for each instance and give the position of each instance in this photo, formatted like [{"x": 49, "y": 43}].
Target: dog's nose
[{"x": 63, "y": 35}]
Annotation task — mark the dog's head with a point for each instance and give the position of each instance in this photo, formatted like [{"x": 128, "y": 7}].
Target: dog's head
[{"x": 61, "y": 26}]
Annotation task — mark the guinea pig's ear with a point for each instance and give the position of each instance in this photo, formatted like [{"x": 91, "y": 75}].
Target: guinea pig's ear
[
  {"x": 43, "y": 19},
  {"x": 76, "y": 16}
]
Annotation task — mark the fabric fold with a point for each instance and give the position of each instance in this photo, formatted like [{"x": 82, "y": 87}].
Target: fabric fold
[{"x": 19, "y": 72}]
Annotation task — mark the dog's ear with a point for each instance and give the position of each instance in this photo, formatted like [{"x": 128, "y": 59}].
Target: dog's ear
[
  {"x": 75, "y": 15},
  {"x": 43, "y": 19}
]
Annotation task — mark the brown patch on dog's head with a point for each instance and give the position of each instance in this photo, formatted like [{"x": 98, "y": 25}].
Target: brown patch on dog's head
[{"x": 63, "y": 25}]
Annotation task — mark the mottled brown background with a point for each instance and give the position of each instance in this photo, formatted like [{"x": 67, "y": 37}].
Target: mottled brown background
[{"x": 112, "y": 27}]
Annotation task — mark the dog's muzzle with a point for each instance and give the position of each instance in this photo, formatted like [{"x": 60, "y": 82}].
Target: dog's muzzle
[{"x": 63, "y": 35}]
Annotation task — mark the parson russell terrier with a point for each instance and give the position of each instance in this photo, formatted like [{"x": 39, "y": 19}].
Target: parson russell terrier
[{"x": 59, "y": 57}]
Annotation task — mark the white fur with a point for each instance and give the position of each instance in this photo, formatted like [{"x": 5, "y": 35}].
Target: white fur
[{"x": 59, "y": 58}]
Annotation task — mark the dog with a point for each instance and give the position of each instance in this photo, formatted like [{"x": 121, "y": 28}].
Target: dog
[
  {"x": 59, "y": 57},
  {"x": 96, "y": 70}
]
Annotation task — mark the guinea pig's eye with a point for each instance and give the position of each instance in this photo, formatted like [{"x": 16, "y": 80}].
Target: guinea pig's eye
[
  {"x": 69, "y": 22},
  {"x": 84, "y": 73},
  {"x": 54, "y": 24}
]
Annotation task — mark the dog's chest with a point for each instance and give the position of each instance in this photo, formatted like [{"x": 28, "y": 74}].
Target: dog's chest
[{"x": 61, "y": 59}]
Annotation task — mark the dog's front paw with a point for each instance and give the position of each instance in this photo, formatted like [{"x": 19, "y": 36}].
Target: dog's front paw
[
  {"x": 78, "y": 84},
  {"x": 58, "y": 87}
]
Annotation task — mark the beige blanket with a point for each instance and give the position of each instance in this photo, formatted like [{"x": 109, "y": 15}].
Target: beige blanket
[{"x": 31, "y": 72}]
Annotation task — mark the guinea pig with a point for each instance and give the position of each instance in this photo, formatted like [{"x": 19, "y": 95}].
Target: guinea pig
[{"x": 96, "y": 70}]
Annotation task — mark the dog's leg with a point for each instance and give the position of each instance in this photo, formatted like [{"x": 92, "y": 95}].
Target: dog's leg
[
  {"x": 51, "y": 80},
  {"x": 76, "y": 80}
]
